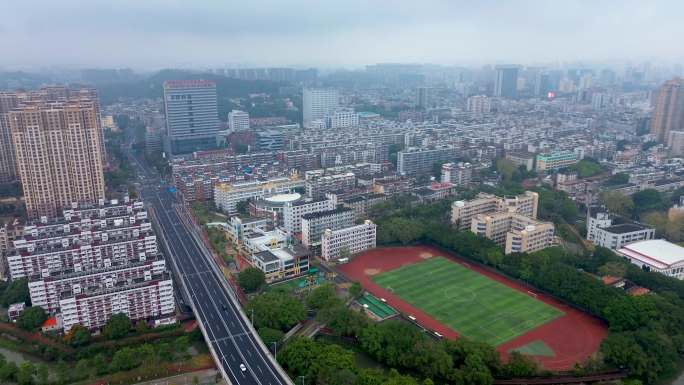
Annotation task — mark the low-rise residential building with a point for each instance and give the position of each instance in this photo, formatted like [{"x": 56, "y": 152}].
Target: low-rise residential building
[
  {"x": 459, "y": 174},
  {"x": 521, "y": 158},
  {"x": 656, "y": 255},
  {"x": 415, "y": 161},
  {"x": 516, "y": 233},
  {"x": 227, "y": 196},
  {"x": 282, "y": 263},
  {"x": 314, "y": 224},
  {"x": 361, "y": 203},
  {"x": 434, "y": 192},
  {"x": 318, "y": 186},
  {"x": 349, "y": 240}
]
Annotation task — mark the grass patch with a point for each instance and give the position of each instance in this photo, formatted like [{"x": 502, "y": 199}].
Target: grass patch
[
  {"x": 472, "y": 304},
  {"x": 535, "y": 348}
]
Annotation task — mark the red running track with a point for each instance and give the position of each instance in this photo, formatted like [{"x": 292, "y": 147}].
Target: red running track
[{"x": 573, "y": 337}]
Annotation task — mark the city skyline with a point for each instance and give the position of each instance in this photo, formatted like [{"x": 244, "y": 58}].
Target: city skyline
[{"x": 160, "y": 34}]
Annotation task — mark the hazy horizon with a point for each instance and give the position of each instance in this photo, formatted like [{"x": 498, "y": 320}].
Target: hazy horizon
[{"x": 175, "y": 34}]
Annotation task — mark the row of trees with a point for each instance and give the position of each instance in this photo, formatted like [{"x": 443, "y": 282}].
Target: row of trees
[{"x": 27, "y": 373}]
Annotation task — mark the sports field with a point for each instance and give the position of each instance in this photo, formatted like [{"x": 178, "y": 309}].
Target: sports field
[{"x": 471, "y": 303}]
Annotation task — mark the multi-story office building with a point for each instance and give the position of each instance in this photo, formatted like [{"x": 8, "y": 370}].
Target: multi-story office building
[
  {"x": 458, "y": 174},
  {"x": 413, "y": 161},
  {"x": 58, "y": 150},
  {"x": 556, "y": 160},
  {"x": 314, "y": 224},
  {"x": 506, "y": 83},
  {"x": 93, "y": 262},
  {"x": 191, "y": 115},
  {"x": 317, "y": 187},
  {"x": 516, "y": 233},
  {"x": 668, "y": 114},
  {"x": 342, "y": 118},
  {"x": 479, "y": 104},
  {"x": 228, "y": 195},
  {"x": 463, "y": 212},
  {"x": 319, "y": 103},
  {"x": 350, "y": 240},
  {"x": 602, "y": 232},
  {"x": 293, "y": 213},
  {"x": 238, "y": 120}
]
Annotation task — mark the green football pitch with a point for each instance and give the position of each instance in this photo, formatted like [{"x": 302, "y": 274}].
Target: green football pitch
[{"x": 470, "y": 303}]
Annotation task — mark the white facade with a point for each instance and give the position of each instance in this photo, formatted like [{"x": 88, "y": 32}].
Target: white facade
[
  {"x": 293, "y": 213},
  {"x": 319, "y": 103},
  {"x": 313, "y": 225},
  {"x": 238, "y": 120},
  {"x": 354, "y": 239},
  {"x": 479, "y": 104},
  {"x": 459, "y": 174},
  {"x": 602, "y": 232},
  {"x": 151, "y": 298},
  {"x": 342, "y": 118},
  {"x": 656, "y": 255},
  {"x": 227, "y": 195}
]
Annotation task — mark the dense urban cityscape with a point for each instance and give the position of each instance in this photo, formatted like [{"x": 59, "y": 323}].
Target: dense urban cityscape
[{"x": 398, "y": 223}]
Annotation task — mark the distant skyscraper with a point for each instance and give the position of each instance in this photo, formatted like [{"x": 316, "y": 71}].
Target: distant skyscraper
[
  {"x": 58, "y": 153},
  {"x": 191, "y": 114},
  {"x": 238, "y": 120},
  {"x": 668, "y": 114},
  {"x": 542, "y": 85},
  {"x": 319, "y": 103},
  {"x": 479, "y": 104},
  {"x": 506, "y": 82},
  {"x": 423, "y": 97}
]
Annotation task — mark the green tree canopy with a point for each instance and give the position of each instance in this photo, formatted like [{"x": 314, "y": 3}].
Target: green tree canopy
[
  {"x": 276, "y": 310},
  {"x": 32, "y": 318},
  {"x": 117, "y": 327},
  {"x": 251, "y": 279}
]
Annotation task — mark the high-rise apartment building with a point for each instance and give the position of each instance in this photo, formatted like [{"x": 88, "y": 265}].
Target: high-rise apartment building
[
  {"x": 58, "y": 150},
  {"x": 238, "y": 120},
  {"x": 318, "y": 103},
  {"x": 191, "y": 115},
  {"x": 8, "y": 166},
  {"x": 342, "y": 118},
  {"x": 506, "y": 83},
  {"x": 414, "y": 160},
  {"x": 423, "y": 100},
  {"x": 668, "y": 114}
]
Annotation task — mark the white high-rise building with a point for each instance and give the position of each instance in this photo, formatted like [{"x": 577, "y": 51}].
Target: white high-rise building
[
  {"x": 342, "y": 118},
  {"x": 238, "y": 120},
  {"x": 479, "y": 104},
  {"x": 318, "y": 103}
]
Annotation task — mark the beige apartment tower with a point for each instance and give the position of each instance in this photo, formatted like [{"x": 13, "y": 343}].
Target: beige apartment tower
[
  {"x": 668, "y": 114},
  {"x": 59, "y": 156}
]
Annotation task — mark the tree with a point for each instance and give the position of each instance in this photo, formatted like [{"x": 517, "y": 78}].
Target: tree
[
  {"x": 164, "y": 352},
  {"x": 117, "y": 327},
  {"x": 63, "y": 373},
  {"x": 99, "y": 363},
  {"x": 82, "y": 369},
  {"x": 77, "y": 336},
  {"x": 269, "y": 336},
  {"x": 505, "y": 168},
  {"x": 355, "y": 290},
  {"x": 322, "y": 296},
  {"x": 519, "y": 366},
  {"x": 618, "y": 179},
  {"x": 181, "y": 345},
  {"x": 124, "y": 359},
  {"x": 142, "y": 327},
  {"x": 42, "y": 373},
  {"x": 25, "y": 373},
  {"x": 251, "y": 279},
  {"x": 276, "y": 310},
  {"x": 8, "y": 371},
  {"x": 617, "y": 202},
  {"x": 16, "y": 292},
  {"x": 648, "y": 200},
  {"x": 32, "y": 318}
]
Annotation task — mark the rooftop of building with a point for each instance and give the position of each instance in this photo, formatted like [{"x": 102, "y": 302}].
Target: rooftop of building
[
  {"x": 327, "y": 213},
  {"x": 624, "y": 228},
  {"x": 656, "y": 252}
]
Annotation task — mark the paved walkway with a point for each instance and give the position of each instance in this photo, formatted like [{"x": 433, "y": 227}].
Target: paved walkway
[{"x": 204, "y": 377}]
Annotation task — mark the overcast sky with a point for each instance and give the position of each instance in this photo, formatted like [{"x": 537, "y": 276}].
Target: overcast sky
[{"x": 213, "y": 33}]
